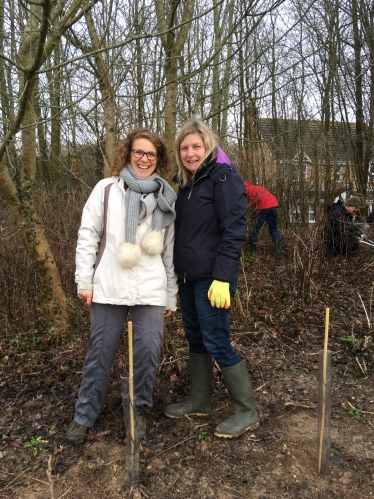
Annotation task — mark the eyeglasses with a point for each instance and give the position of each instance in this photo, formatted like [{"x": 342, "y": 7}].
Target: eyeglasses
[{"x": 138, "y": 154}]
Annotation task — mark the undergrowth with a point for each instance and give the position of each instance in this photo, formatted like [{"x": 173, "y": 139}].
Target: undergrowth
[{"x": 273, "y": 290}]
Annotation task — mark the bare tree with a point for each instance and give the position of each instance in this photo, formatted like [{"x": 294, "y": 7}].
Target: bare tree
[
  {"x": 36, "y": 44},
  {"x": 173, "y": 19}
]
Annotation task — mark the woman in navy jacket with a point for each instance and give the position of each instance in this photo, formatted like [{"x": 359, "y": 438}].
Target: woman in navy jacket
[{"x": 209, "y": 233}]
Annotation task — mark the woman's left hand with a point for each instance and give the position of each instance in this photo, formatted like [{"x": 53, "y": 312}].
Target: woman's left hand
[{"x": 167, "y": 313}]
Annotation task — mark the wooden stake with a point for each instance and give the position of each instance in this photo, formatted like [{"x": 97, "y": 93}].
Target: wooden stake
[
  {"x": 131, "y": 388},
  {"x": 323, "y": 401}
]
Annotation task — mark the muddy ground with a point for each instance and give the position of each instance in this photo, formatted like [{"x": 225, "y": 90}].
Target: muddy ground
[{"x": 277, "y": 326}]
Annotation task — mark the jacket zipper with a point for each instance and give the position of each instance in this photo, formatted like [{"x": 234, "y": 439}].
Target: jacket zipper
[
  {"x": 192, "y": 186},
  {"x": 188, "y": 197}
]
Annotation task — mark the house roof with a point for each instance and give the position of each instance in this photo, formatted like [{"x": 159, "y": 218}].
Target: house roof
[{"x": 287, "y": 139}]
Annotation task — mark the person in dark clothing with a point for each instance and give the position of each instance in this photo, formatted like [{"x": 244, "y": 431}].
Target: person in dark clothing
[
  {"x": 369, "y": 220},
  {"x": 209, "y": 234},
  {"x": 341, "y": 235}
]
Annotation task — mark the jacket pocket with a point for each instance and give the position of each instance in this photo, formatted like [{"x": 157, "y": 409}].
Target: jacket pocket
[{"x": 209, "y": 245}]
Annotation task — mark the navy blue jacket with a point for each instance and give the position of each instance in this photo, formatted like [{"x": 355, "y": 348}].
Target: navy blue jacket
[{"x": 211, "y": 223}]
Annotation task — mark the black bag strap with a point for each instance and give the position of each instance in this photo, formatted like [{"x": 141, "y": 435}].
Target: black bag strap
[{"x": 102, "y": 242}]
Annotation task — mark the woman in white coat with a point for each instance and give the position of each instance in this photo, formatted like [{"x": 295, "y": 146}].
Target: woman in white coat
[{"x": 124, "y": 263}]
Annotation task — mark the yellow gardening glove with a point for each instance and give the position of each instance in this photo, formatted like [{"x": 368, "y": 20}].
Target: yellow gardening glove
[{"x": 219, "y": 294}]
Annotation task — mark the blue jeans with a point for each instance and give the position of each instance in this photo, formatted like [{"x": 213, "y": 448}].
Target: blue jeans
[
  {"x": 206, "y": 327},
  {"x": 269, "y": 215}
]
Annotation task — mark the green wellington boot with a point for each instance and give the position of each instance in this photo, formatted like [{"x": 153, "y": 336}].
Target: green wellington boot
[
  {"x": 198, "y": 401},
  {"x": 252, "y": 248},
  {"x": 278, "y": 248},
  {"x": 240, "y": 391}
]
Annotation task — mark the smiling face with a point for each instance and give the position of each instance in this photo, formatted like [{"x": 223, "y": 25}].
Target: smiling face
[
  {"x": 192, "y": 151},
  {"x": 143, "y": 167}
]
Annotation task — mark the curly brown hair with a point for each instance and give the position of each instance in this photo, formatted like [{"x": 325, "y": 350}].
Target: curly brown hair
[{"x": 122, "y": 158}]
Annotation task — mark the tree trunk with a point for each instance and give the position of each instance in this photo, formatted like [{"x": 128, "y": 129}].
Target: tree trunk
[
  {"x": 173, "y": 45},
  {"x": 34, "y": 49},
  {"x": 106, "y": 90},
  {"x": 359, "y": 140},
  {"x": 54, "y": 78},
  {"x": 21, "y": 204}
]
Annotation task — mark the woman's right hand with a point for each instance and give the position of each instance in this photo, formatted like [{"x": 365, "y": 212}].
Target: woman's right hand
[{"x": 86, "y": 295}]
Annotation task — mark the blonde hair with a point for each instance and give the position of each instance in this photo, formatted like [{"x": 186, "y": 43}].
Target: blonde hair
[{"x": 210, "y": 142}]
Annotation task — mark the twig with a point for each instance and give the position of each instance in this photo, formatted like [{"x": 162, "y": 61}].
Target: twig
[
  {"x": 161, "y": 363},
  {"x": 360, "y": 366},
  {"x": 175, "y": 360},
  {"x": 37, "y": 480},
  {"x": 259, "y": 388},
  {"x": 285, "y": 345},
  {"x": 332, "y": 353},
  {"x": 364, "y": 363},
  {"x": 141, "y": 489},
  {"x": 367, "y": 317},
  {"x": 362, "y": 412},
  {"x": 200, "y": 426},
  {"x": 233, "y": 490},
  {"x": 371, "y": 424},
  {"x": 60, "y": 354},
  {"x": 242, "y": 333},
  {"x": 217, "y": 366},
  {"x": 169, "y": 362},
  {"x": 189, "y": 419},
  {"x": 22, "y": 472},
  {"x": 111, "y": 462},
  {"x": 49, "y": 476},
  {"x": 176, "y": 445},
  {"x": 8, "y": 237},
  {"x": 219, "y": 408},
  {"x": 368, "y": 266},
  {"x": 64, "y": 494},
  {"x": 98, "y": 435},
  {"x": 301, "y": 405}
]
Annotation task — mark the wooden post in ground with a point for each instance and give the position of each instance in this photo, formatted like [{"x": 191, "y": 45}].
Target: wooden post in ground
[{"x": 324, "y": 405}]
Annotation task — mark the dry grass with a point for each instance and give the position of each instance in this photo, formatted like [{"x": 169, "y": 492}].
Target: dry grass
[{"x": 19, "y": 293}]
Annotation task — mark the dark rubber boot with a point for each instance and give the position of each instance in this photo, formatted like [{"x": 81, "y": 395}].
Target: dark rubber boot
[
  {"x": 278, "y": 248},
  {"x": 198, "y": 401},
  {"x": 253, "y": 248},
  {"x": 245, "y": 416}
]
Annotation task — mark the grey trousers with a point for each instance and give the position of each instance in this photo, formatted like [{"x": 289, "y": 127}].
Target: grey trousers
[{"x": 107, "y": 326}]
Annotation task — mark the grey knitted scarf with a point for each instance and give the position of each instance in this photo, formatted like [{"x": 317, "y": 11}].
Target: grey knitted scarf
[{"x": 140, "y": 202}]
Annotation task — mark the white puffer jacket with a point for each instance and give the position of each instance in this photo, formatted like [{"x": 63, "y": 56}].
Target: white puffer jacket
[{"x": 151, "y": 282}]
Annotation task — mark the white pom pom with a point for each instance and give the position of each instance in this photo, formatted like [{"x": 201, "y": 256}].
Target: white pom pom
[
  {"x": 128, "y": 255},
  {"x": 152, "y": 243}
]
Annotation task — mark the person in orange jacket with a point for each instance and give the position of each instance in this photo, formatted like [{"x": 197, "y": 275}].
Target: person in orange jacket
[{"x": 265, "y": 209}]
